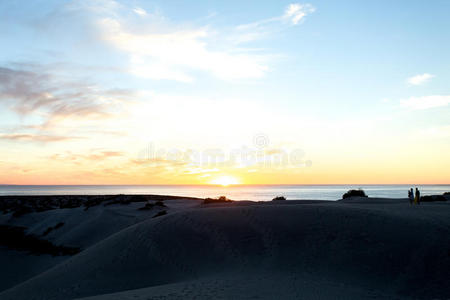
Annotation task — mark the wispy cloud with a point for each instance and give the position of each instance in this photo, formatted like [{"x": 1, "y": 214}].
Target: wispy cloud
[
  {"x": 36, "y": 91},
  {"x": 419, "y": 79},
  {"x": 197, "y": 170},
  {"x": 158, "y": 161},
  {"x": 176, "y": 54},
  {"x": 295, "y": 12},
  {"x": 92, "y": 155},
  {"x": 161, "y": 50},
  {"x": 425, "y": 102},
  {"x": 293, "y": 15},
  {"x": 140, "y": 11},
  {"x": 36, "y": 137}
]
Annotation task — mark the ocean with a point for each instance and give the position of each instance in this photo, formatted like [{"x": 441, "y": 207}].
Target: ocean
[{"x": 237, "y": 192}]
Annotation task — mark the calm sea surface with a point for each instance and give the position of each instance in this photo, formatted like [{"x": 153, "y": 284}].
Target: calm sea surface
[{"x": 244, "y": 192}]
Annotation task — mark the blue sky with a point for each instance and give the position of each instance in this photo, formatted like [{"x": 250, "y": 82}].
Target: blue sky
[{"x": 84, "y": 77}]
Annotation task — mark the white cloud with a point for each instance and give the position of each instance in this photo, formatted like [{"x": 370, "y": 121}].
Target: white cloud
[
  {"x": 174, "y": 54},
  {"x": 141, "y": 66},
  {"x": 140, "y": 11},
  {"x": 420, "y": 79},
  {"x": 156, "y": 48},
  {"x": 425, "y": 102},
  {"x": 295, "y": 12}
]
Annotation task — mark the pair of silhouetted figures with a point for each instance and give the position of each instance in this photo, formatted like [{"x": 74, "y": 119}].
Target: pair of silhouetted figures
[{"x": 414, "y": 199}]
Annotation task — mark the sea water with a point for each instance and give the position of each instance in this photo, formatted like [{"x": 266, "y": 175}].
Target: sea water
[{"x": 235, "y": 192}]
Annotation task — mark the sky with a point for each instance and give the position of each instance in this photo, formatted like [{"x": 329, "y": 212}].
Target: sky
[{"x": 224, "y": 92}]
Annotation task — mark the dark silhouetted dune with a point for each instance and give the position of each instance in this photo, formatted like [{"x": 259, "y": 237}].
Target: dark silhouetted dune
[{"x": 356, "y": 248}]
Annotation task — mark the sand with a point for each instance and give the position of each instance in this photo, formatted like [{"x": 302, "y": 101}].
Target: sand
[{"x": 351, "y": 249}]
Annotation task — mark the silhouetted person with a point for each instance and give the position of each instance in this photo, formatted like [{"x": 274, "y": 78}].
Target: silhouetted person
[
  {"x": 411, "y": 196},
  {"x": 417, "y": 198}
]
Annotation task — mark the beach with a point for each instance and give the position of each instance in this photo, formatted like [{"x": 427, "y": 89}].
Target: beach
[{"x": 161, "y": 247}]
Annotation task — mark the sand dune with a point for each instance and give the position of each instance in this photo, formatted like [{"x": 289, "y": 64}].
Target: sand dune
[{"x": 359, "y": 248}]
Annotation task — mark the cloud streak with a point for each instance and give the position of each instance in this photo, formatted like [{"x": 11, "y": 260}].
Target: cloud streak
[
  {"x": 159, "y": 50},
  {"x": 295, "y": 12},
  {"x": 419, "y": 79},
  {"x": 36, "y": 137},
  {"x": 38, "y": 92},
  {"x": 93, "y": 155},
  {"x": 162, "y": 50},
  {"x": 176, "y": 54}
]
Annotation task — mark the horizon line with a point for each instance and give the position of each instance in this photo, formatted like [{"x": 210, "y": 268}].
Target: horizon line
[{"x": 230, "y": 185}]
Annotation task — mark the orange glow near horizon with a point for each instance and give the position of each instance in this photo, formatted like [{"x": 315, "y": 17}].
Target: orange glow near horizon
[{"x": 118, "y": 165}]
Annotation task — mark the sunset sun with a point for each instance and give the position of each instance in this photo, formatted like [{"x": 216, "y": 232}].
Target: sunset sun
[{"x": 225, "y": 181}]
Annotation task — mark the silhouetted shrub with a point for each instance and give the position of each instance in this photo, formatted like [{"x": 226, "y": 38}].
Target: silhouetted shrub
[
  {"x": 21, "y": 210},
  {"x": 279, "y": 198},
  {"x": 136, "y": 198},
  {"x": 47, "y": 231},
  {"x": 161, "y": 213},
  {"x": 92, "y": 202},
  {"x": 20, "y": 205},
  {"x": 209, "y": 200},
  {"x": 60, "y": 224},
  {"x": 69, "y": 202},
  {"x": 432, "y": 198},
  {"x": 147, "y": 206},
  {"x": 127, "y": 199},
  {"x": 14, "y": 237},
  {"x": 160, "y": 203},
  {"x": 221, "y": 199},
  {"x": 50, "y": 229},
  {"x": 354, "y": 193}
]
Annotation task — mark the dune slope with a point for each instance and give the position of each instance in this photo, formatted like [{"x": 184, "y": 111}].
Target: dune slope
[{"x": 293, "y": 250}]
